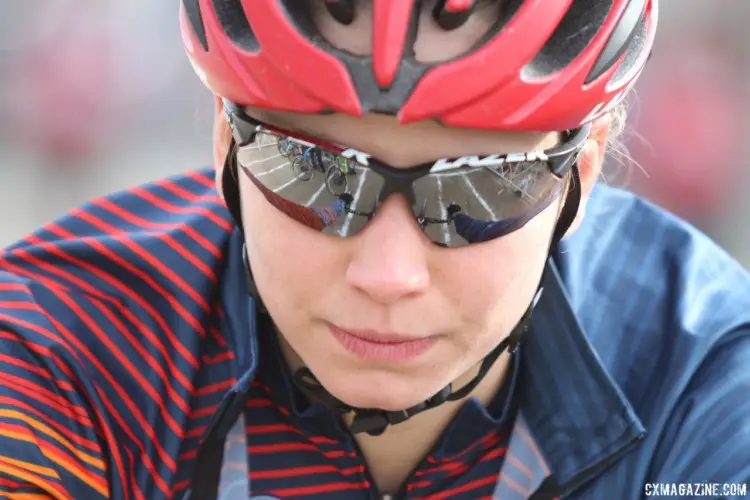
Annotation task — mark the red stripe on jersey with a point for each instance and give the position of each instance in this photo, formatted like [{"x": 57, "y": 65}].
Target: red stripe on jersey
[
  {"x": 66, "y": 386},
  {"x": 175, "y": 209},
  {"x": 218, "y": 387},
  {"x": 134, "y": 271},
  {"x": 155, "y": 364},
  {"x": 123, "y": 361},
  {"x": 321, "y": 488},
  {"x": 166, "y": 459},
  {"x": 147, "y": 333},
  {"x": 218, "y": 358},
  {"x": 477, "y": 483},
  {"x": 13, "y": 287},
  {"x": 305, "y": 471},
  {"x": 118, "y": 285},
  {"x": 117, "y": 235},
  {"x": 199, "y": 177},
  {"x": 164, "y": 236}
]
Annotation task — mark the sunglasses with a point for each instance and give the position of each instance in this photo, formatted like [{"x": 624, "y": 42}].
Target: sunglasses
[{"x": 455, "y": 201}]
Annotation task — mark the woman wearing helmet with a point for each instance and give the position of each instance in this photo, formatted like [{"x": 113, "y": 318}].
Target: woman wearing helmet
[{"x": 158, "y": 345}]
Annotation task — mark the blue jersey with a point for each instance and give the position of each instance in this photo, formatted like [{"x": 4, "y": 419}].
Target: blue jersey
[{"x": 127, "y": 336}]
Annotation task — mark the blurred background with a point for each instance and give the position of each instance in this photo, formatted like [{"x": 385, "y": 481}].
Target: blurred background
[{"x": 97, "y": 95}]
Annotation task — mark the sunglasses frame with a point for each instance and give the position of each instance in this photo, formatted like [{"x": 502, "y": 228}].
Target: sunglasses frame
[{"x": 559, "y": 159}]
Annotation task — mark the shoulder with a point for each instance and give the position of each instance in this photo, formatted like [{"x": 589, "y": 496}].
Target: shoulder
[
  {"x": 668, "y": 313},
  {"x": 164, "y": 239},
  {"x": 633, "y": 266},
  {"x": 102, "y": 317},
  {"x": 138, "y": 266}
]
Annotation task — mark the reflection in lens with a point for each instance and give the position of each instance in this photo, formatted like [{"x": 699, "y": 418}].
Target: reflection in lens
[
  {"x": 337, "y": 196},
  {"x": 311, "y": 185},
  {"x": 487, "y": 202}
]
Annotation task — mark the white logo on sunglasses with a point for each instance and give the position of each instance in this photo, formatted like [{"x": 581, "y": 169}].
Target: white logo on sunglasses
[
  {"x": 487, "y": 161},
  {"x": 464, "y": 161}
]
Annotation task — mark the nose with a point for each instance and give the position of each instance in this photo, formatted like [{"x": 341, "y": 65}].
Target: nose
[{"x": 390, "y": 260}]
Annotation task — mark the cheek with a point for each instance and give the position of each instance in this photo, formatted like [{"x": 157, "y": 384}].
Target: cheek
[
  {"x": 491, "y": 284},
  {"x": 290, "y": 262}
]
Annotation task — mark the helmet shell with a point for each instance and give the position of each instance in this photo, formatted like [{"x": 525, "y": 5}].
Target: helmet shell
[{"x": 550, "y": 65}]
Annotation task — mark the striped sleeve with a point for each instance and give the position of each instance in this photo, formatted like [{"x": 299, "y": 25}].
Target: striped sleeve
[
  {"x": 708, "y": 437},
  {"x": 49, "y": 447}
]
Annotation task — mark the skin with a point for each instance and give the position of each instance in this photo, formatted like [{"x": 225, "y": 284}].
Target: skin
[{"x": 390, "y": 277}]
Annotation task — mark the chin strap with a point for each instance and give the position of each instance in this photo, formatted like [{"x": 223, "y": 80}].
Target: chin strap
[{"x": 374, "y": 422}]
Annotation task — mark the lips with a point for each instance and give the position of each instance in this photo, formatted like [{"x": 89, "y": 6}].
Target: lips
[
  {"x": 381, "y": 338},
  {"x": 389, "y": 347}
]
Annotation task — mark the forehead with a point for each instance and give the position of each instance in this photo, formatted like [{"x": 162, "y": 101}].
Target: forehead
[{"x": 405, "y": 145}]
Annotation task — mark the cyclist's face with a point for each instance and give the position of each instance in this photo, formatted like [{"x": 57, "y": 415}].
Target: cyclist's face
[{"x": 390, "y": 278}]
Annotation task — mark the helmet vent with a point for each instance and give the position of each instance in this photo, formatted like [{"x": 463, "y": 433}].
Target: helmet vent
[
  {"x": 576, "y": 30},
  {"x": 342, "y": 11},
  {"x": 234, "y": 21},
  {"x": 193, "y": 12},
  {"x": 451, "y": 19},
  {"x": 632, "y": 53},
  {"x": 629, "y": 38}
]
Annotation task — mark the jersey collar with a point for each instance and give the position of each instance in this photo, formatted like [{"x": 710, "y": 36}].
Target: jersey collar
[{"x": 574, "y": 418}]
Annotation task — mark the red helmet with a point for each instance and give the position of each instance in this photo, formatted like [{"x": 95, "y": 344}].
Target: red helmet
[{"x": 548, "y": 64}]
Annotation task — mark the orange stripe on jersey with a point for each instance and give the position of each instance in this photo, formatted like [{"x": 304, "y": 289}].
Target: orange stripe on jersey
[
  {"x": 45, "y": 429},
  {"x": 22, "y": 470},
  {"x": 24, "y": 496},
  {"x": 53, "y": 454},
  {"x": 45, "y": 471},
  {"x": 70, "y": 435}
]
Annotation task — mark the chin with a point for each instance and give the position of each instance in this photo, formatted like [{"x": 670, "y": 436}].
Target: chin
[{"x": 391, "y": 393}]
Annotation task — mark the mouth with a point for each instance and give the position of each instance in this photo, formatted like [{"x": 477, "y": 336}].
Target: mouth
[{"x": 371, "y": 345}]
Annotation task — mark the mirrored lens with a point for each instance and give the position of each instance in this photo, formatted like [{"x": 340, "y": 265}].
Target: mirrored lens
[
  {"x": 485, "y": 202},
  {"x": 314, "y": 186},
  {"x": 338, "y": 196}
]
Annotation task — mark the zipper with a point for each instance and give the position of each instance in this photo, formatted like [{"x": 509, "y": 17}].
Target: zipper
[{"x": 550, "y": 490}]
